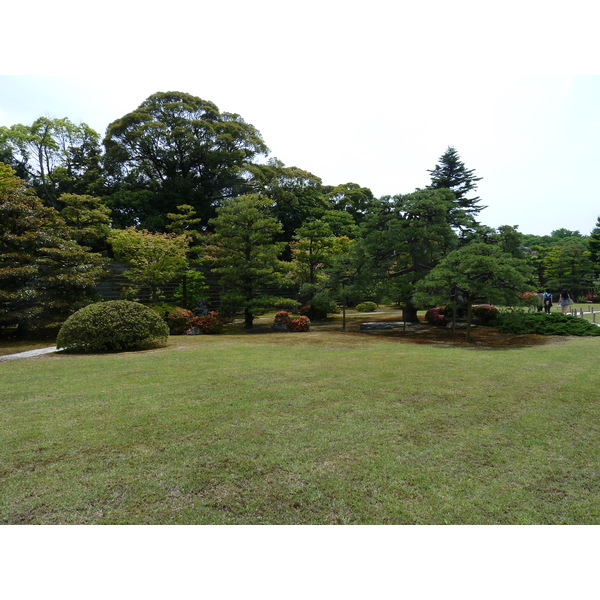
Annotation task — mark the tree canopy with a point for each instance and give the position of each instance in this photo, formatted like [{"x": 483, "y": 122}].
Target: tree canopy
[
  {"x": 451, "y": 173},
  {"x": 594, "y": 247},
  {"x": 155, "y": 258},
  {"x": 177, "y": 169},
  {"x": 56, "y": 156},
  {"x": 400, "y": 241},
  {"x": 183, "y": 150},
  {"x": 477, "y": 272},
  {"x": 244, "y": 252},
  {"x": 44, "y": 273}
]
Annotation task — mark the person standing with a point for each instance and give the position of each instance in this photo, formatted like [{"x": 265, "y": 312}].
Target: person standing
[
  {"x": 547, "y": 301},
  {"x": 565, "y": 301},
  {"x": 540, "y": 305}
]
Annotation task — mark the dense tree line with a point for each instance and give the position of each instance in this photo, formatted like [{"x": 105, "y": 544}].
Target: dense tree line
[{"x": 177, "y": 184}]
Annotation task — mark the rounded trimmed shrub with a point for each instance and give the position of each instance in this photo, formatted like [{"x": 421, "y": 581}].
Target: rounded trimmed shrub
[
  {"x": 436, "y": 316},
  {"x": 366, "y": 307},
  {"x": 179, "y": 320},
  {"x": 111, "y": 327},
  {"x": 282, "y": 317},
  {"x": 300, "y": 324}
]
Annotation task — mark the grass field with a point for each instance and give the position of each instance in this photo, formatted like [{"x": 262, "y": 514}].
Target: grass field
[{"x": 321, "y": 427}]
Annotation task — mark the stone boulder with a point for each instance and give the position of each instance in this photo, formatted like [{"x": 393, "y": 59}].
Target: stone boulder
[{"x": 382, "y": 325}]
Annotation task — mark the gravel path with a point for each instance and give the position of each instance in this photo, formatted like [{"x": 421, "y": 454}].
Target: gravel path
[{"x": 28, "y": 354}]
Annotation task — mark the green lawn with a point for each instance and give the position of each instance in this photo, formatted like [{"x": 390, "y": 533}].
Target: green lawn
[
  {"x": 587, "y": 311},
  {"x": 320, "y": 427}
]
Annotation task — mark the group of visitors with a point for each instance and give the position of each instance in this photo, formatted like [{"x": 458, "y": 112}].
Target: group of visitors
[{"x": 564, "y": 301}]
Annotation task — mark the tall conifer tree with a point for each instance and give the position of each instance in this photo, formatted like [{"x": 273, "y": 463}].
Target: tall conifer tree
[
  {"x": 594, "y": 246},
  {"x": 451, "y": 173}
]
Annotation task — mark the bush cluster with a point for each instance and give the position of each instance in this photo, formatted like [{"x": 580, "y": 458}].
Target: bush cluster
[
  {"x": 436, "y": 316},
  {"x": 485, "y": 314},
  {"x": 543, "y": 324},
  {"x": 282, "y": 317},
  {"x": 210, "y": 324},
  {"x": 179, "y": 320},
  {"x": 313, "y": 312},
  {"x": 300, "y": 324},
  {"x": 366, "y": 307},
  {"x": 316, "y": 305},
  {"x": 111, "y": 327}
]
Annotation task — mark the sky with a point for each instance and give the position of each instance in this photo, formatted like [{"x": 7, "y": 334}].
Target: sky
[{"x": 369, "y": 93}]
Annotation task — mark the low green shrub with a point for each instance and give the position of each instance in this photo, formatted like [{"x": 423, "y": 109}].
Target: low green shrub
[
  {"x": 111, "y": 327},
  {"x": 543, "y": 324},
  {"x": 312, "y": 312},
  {"x": 163, "y": 309},
  {"x": 366, "y": 307},
  {"x": 485, "y": 314},
  {"x": 317, "y": 305}
]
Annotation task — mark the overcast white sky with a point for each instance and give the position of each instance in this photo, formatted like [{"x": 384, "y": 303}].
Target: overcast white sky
[{"x": 365, "y": 92}]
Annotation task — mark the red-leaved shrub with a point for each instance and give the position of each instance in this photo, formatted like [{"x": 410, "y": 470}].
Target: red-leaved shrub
[
  {"x": 300, "y": 324},
  {"x": 179, "y": 320},
  {"x": 435, "y": 316},
  {"x": 210, "y": 324},
  {"x": 282, "y": 317}
]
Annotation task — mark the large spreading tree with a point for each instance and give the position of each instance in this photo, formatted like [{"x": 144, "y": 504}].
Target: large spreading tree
[
  {"x": 401, "y": 241},
  {"x": 56, "y": 156},
  {"x": 297, "y": 195},
  {"x": 182, "y": 150},
  {"x": 477, "y": 272}
]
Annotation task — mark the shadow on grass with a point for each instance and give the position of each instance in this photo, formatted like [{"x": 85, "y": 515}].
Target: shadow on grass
[{"x": 481, "y": 337}]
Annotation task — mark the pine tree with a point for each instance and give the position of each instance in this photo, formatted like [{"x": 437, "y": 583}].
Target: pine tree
[
  {"x": 245, "y": 252},
  {"x": 452, "y": 174},
  {"x": 44, "y": 274}
]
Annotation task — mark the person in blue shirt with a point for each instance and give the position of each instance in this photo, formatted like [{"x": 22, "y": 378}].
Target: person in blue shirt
[{"x": 547, "y": 301}]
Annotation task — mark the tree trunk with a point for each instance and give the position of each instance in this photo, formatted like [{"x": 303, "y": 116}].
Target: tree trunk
[
  {"x": 409, "y": 313},
  {"x": 22, "y": 329},
  {"x": 184, "y": 290},
  {"x": 248, "y": 319},
  {"x": 469, "y": 319}
]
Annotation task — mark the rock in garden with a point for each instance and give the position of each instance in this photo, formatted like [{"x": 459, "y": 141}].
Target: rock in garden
[{"x": 381, "y": 326}]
